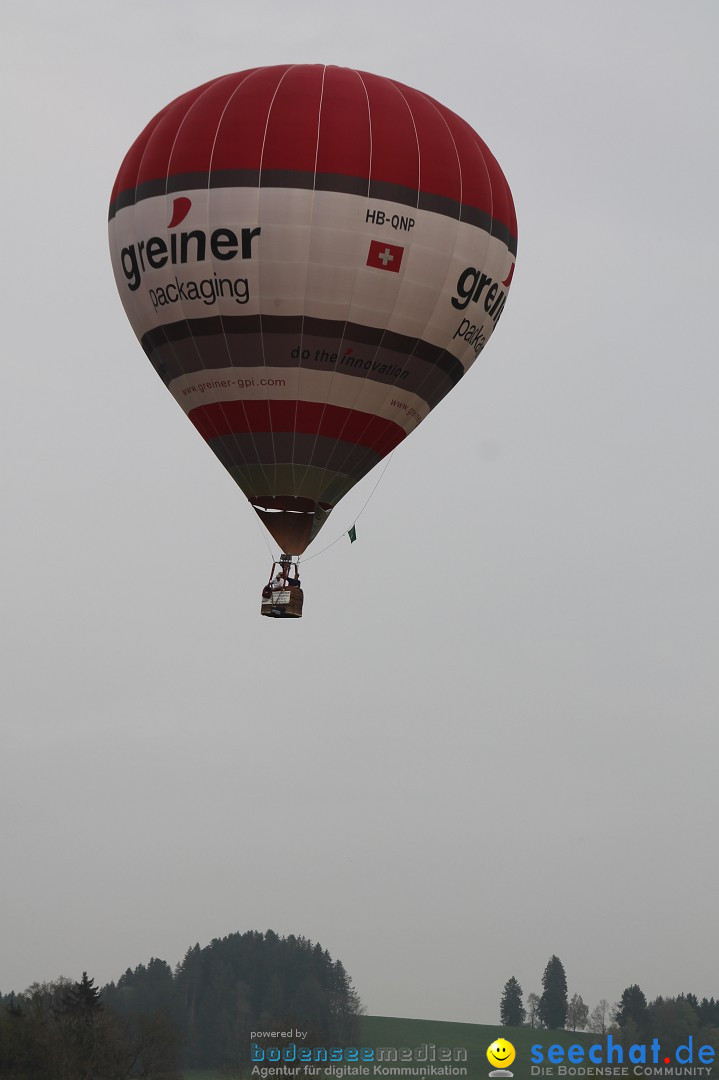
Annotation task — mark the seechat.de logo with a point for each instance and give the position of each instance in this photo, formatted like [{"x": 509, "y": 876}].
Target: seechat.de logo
[{"x": 501, "y": 1054}]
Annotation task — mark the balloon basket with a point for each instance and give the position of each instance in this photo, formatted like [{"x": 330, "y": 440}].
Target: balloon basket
[{"x": 283, "y": 604}]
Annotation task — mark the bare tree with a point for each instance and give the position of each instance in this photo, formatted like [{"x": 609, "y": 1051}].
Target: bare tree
[
  {"x": 599, "y": 1018},
  {"x": 577, "y": 1013},
  {"x": 532, "y": 1010}
]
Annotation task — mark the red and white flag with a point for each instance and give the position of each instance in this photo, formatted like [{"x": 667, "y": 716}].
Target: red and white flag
[{"x": 385, "y": 256}]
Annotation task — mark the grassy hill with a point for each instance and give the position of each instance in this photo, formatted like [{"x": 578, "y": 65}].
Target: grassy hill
[{"x": 391, "y": 1031}]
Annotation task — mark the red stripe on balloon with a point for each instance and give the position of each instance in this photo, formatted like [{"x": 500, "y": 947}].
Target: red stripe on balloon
[
  {"x": 305, "y": 417},
  {"x": 269, "y": 118}
]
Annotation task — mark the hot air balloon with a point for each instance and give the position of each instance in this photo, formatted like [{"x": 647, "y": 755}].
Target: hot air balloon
[{"x": 311, "y": 258}]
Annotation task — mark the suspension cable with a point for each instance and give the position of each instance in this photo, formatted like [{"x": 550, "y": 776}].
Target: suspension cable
[{"x": 343, "y": 534}]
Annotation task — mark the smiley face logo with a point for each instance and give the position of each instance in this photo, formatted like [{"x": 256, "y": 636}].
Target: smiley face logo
[{"x": 501, "y": 1054}]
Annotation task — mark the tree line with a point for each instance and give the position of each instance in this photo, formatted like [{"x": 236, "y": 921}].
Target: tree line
[
  {"x": 633, "y": 1018},
  {"x": 62, "y": 1031},
  {"x": 154, "y": 1021}
]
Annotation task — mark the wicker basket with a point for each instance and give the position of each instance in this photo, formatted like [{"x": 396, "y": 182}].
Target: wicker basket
[{"x": 283, "y": 604}]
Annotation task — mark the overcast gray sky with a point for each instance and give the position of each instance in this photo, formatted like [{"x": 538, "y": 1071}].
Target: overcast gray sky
[{"x": 445, "y": 781}]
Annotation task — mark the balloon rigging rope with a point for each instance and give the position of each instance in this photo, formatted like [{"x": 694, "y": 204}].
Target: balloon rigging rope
[
  {"x": 343, "y": 534},
  {"x": 262, "y": 529}
]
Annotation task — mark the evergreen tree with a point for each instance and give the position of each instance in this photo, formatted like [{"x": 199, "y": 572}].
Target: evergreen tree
[
  {"x": 261, "y": 981},
  {"x": 672, "y": 1020},
  {"x": 708, "y": 1012},
  {"x": 83, "y": 998},
  {"x": 511, "y": 1008},
  {"x": 79, "y": 1028},
  {"x": 632, "y": 1008},
  {"x": 553, "y": 1002}
]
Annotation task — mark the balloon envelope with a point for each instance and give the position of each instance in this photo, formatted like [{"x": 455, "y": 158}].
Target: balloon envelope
[{"x": 311, "y": 258}]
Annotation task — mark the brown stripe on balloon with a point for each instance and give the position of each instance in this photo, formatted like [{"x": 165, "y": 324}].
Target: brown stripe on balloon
[
  {"x": 288, "y": 179},
  {"x": 319, "y": 450},
  {"x": 372, "y": 336},
  {"x": 406, "y": 373},
  {"x": 268, "y": 448},
  {"x": 277, "y": 341}
]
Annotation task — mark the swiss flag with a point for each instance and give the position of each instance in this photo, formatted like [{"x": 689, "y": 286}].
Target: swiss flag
[{"x": 385, "y": 256}]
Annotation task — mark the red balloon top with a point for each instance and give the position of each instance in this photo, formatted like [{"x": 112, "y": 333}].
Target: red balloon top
[{"x": 327, "y": 128}]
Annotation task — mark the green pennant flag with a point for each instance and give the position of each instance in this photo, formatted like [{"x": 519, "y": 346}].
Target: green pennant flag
[{"x": 352, "y": 535}]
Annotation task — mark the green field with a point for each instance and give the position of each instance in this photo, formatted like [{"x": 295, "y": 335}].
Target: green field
[{"x": 475, "y": 1038}]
